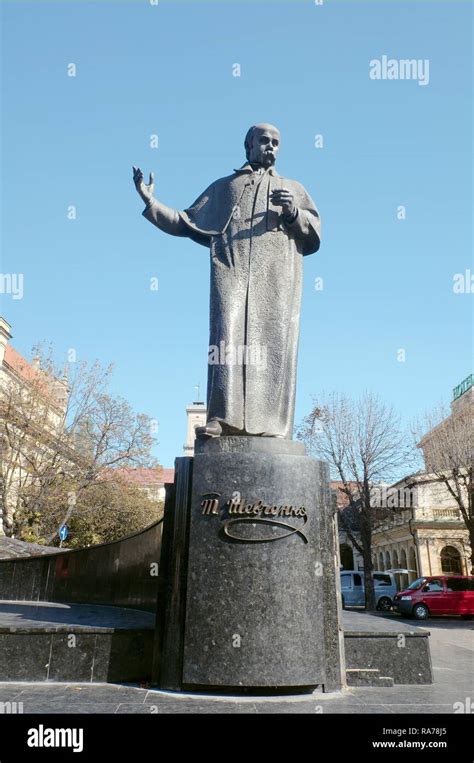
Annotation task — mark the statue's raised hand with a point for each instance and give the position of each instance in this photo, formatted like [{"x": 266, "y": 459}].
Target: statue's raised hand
[{"x": 144, "y": 190}]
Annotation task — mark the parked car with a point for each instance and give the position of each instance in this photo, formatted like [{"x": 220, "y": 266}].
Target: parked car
[
  {"x": 437, "y": 595},
  {"x": 353, "y": 591}
]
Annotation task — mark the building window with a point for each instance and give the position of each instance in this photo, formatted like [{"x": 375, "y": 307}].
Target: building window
[
  {"x": 451, "y": 561},
  {"x": 347, "y": 556}
]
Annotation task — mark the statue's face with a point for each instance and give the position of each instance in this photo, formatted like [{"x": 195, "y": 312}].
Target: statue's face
[{"x": 264, "y": 146}]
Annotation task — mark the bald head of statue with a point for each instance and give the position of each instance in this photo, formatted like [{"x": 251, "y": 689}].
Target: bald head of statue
[{"x": 262, "y": 143}]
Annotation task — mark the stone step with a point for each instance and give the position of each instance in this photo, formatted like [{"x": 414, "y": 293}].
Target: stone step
[
  {"x": 367, "y": 677},
  {"x": 46, "y": 641}
]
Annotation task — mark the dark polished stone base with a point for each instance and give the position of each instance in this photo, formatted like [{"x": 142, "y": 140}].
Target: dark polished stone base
[
  {"x": 267, "y": 445},
  {"x": 50, "y": 642},
  {"x": 406, "y": 662},
  {"x": 248, "y": 592}
]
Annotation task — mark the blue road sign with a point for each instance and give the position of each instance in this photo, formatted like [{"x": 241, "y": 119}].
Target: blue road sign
[{"x": 63, "y": 532}]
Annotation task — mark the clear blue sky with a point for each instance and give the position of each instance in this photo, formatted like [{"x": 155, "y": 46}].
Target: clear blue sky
[{"x": 167, "y": 69}]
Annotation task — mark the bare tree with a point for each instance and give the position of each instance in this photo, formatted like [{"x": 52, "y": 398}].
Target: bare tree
[
  {"x": 363, "y": 442},
  {"x": 446, "y": 439},
  {"x": 58, "y": 430}
]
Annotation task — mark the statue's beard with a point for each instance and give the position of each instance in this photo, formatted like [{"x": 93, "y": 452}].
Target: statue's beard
[
  {"x": 264, "y": 159},
  {"x": 268, "y": 159}
]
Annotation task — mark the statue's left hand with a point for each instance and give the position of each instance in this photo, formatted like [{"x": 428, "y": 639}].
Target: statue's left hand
[
  {"x": 143, "y": 189},
  {"x": 283, "y": 197}
]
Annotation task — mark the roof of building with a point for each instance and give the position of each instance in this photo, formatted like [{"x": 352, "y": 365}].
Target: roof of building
[
  {"x": 168, "y": 475},
  {"x": 46, "y": 384},
  {"x": 18, "y": 363},
  {"x": 143, "y": 476}
]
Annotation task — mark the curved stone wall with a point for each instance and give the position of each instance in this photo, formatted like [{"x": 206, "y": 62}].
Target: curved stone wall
[{"x": 122, "y": 573}]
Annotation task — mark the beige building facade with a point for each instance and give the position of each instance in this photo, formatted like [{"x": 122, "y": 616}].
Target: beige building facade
[
  {"x": 420, "y": 527},
  {"x": 32, "y": 411},
  {"x": 196, "y": 414},
  {"x": 425, "y": 534}
]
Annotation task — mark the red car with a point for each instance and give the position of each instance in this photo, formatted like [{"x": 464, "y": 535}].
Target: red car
[{"x": 437, "y": 595}]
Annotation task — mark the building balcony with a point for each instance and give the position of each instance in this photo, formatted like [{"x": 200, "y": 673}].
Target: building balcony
[{"x": 421, "y": 515}]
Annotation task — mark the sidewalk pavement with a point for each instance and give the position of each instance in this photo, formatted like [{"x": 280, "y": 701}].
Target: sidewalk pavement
[{"x": 452, "y": 652}]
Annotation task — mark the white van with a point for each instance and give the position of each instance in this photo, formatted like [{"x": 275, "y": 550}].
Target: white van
[{"x": 353, "y": 593}]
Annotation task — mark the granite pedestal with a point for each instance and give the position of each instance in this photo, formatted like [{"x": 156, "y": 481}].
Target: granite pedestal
[{"x": 248, "y": 572}]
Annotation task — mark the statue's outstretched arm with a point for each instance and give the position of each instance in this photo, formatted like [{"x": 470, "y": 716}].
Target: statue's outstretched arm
[{"x": 165, "y": 218}]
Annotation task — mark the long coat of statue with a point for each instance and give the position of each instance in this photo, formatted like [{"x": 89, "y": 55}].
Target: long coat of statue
[{"x": 255, "y": 297}]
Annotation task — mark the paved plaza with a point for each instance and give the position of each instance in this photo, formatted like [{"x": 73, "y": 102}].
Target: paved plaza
[{"x": 452, "y": 653}]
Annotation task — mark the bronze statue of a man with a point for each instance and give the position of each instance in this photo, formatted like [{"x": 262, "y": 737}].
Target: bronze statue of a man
[{"x": 258, "y": 226}]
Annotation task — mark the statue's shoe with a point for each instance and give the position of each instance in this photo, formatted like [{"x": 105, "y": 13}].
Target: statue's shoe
[{"x": 211, "y": 429}]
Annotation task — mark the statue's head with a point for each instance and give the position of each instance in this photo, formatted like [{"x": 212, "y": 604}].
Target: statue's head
[{"x": 261, "y": 144}]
